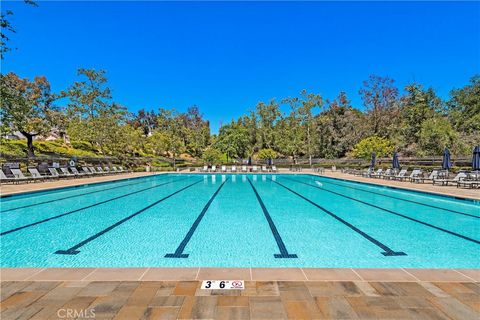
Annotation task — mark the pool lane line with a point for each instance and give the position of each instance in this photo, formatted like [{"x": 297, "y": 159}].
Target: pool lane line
[
  {"x": 412, "y": 201},
  {"x": 179, "y": 252},
  {"x": 73, "y": 250},
  {"x": 394, "y": 213},
  {"x": 281, "y": 245},
  {"x": 84, "y": 208},
  {"x": 388, "y": 251},
  {"x": 77, "y": 195}
]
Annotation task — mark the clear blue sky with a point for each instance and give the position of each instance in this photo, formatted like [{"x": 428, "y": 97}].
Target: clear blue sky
[{"x": 225, "y": 57}]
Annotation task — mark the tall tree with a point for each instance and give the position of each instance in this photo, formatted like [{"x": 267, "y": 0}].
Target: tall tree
[
  {"x": 311, "y": 103},
  {"x": 464, "y": 110},
  {"x": 233, "y": 141},
  {"x": 26, "y": 106},
  {"x": 268, "y": 115},
  {"x": 379, "y": 97}
]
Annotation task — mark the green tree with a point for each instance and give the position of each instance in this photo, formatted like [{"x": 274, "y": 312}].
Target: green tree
[
  {"x": 436, "y": 134},
  {"x": 26, "y": 106},
  {"x": 233, "y": 140},
  {"x": 265, "y": 154},
  {"x": 169, "y": 123},
  {"x": 267, "y": 115},
  {"x": 311, "y": 103},
  {"x": 382, "y": 147},
  {"x": 464, "y": 111},
  {"x": 417, "y": 106},
  {"x": 212, "y": 156}
]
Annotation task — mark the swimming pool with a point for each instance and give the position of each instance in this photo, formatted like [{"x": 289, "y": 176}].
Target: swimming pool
[{"x": 243, "y": 220}]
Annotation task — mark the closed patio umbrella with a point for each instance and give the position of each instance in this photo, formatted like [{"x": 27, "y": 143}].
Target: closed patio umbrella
[
  {"x": 249, "y": 161},
  {"x": 395, "y": 161},
  {"x": 374, "y": 160},
  {"x": 476, "y": 158},
  {"x": 446, "y": 161}
]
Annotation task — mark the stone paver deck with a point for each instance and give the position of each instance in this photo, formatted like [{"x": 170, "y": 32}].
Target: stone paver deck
[{"x": 259, "y": 300}]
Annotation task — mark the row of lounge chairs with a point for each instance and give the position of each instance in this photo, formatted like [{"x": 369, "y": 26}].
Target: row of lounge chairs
[
  {"x": 242, "y": 169},
  {"x": 436, "y": 177},
  {"x": 17, "y": 175}
]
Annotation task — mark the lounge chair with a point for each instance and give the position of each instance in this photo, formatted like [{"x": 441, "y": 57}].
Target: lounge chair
[
  {"x": 100, "y": 170},
  {"x": 18, "y": 176},
  {"x": 93, "y": 171},
  {"x": 432, "y": 176},
  {"x": 67, "y": 173},
  {"x": 76, "y": 173},
  {"x": 415, "y": 175},
  {"x": 4, "y": 178},
  {"x": 367, "y": 173},
  {"x": 274, "y": 169},
  {"x": 444, "y": 181},
  {"x": 254, "y": 169},
  {"x": 386, "y": 174},
  {"x": 54, "y": 173},
  {"x": 224, "y": 168},
  {"x": 264, "y": 169},
  {"x": 107, "y": 170},
  {"x": 205, "y": 169},
  {"x": 234, "y": 169},
  {"x": 377, "y": 174},
  {"x": 401, "y": 175},
  {"x": 36, "y": 175},
  {"x": 87, "y": 172},
  {"x": 244, "y": 168},
  {"x": 214, "y": 169}
]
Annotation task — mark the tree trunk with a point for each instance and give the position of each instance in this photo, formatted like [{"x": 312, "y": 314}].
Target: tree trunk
[{"x": 30, "y": 149}]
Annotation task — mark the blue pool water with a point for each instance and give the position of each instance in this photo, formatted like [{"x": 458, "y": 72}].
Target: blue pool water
[{"x": 239, "y": 220}]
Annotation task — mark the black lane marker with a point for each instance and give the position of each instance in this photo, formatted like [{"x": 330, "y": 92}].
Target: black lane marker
[
  {"x": 84, "y": 208},
  {"x": 73, "y": 250},
  {"x": 395, "y": 213},
  {"x": 76, "y": 195},
  {"x": 393, "y": 197},
  {"x": 281, "y": 245},
  {"x": 179, "y": 252},
  {"x": 388, "y": 251}
]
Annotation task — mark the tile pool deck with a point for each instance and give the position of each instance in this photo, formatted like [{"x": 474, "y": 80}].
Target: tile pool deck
[{"x": 296, "y": 293}]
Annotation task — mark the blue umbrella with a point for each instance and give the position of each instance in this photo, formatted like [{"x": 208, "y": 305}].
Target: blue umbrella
[
  {"x": 374, "y": 159},
  {"x": 446, "y": 162},
  {"x": 269, "y": 161},
  {"x": 476, "y": 158},
  {"x": 249, "y": 161},
  {"x": 395, "y": 161}
]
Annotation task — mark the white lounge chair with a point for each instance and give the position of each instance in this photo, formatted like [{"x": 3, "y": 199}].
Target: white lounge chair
[
  {"x": 401, "y": 175},
  {"x": 445, "y": 181},
  {"x": 4, "y": 178},
  {"x": 18, "y": 176},
  {"x": 224, "y": 168},
  {"x": 415, "y": 175},
  {"x": 214, "y": 168},
  {"x": 100, "y": 170},
  {"x": 76, "y": 173},
  {"x": 244, "y": 168},
  {"x": 67, "y": 173},
  {"x": 234, "y": 169},
  {"x": 36, "y": 175},
  {"x": 264, "y": 169},
  {"x": 274, "y": 169},
  {"x": 205, "y": 169},
  {"x": 254, "y": 169},
  {"x": 54, "y": 173},
  {"x": 87, "y": 172},
  {"x": 377, "y": 174}
]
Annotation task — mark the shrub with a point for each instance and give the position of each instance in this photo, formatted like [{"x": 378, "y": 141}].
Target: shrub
[
  {"x": 381, "y": 146},
  {"x": 266, "y": 153}
]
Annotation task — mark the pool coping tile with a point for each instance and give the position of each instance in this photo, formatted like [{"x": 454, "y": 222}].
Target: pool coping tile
[
  {"x": 61, "y": 274},
  {"x": 18, "y": 274},
  {"x": 439, "y": 275},
  {"x": 246, "y": 274},
  {"x": 224, "y": 274},
  {"x": 173, "y": 274},
  {"x": 384, "y": 274},
  {"x": 331, "y": 274},
  {"x": 278, "y": 274},
  {"x": 116, "y": 274}
]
